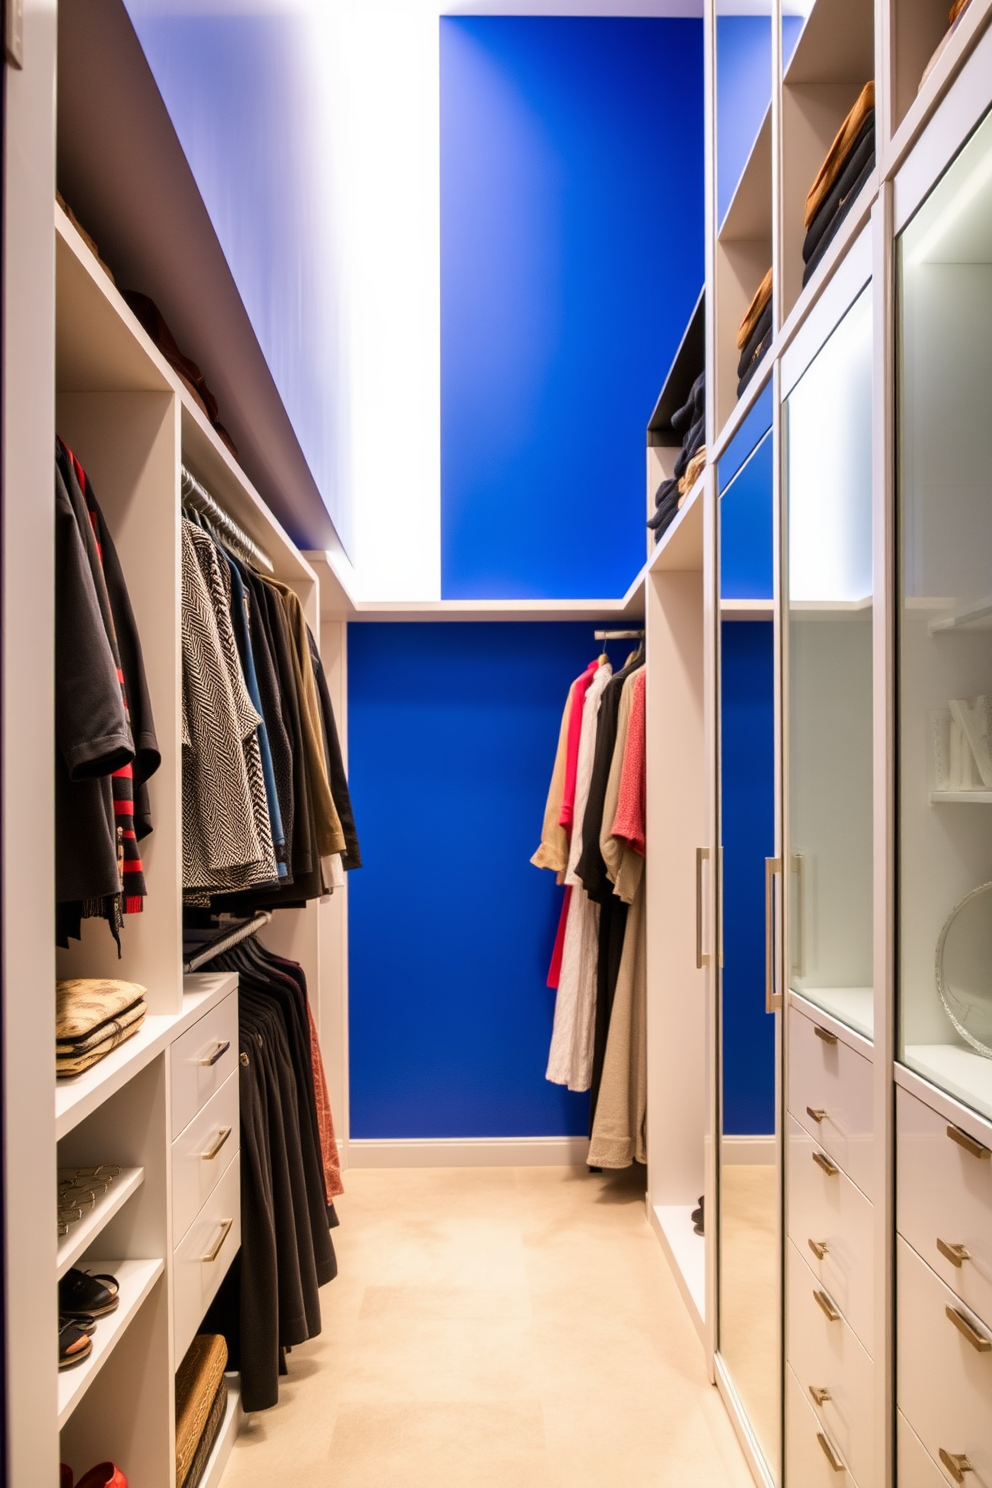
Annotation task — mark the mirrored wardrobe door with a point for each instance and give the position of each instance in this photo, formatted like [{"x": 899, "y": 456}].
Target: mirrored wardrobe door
[{"x": 749, "y": 1331}]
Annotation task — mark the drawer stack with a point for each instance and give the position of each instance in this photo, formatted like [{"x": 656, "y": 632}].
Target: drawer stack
[
  {"x": 829, "y": 1293},
  {"x": 206, "y": 1173},
  {"x": 944, "y": 1296}
]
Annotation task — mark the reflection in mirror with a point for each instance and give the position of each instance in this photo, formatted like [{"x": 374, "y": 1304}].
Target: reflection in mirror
[
  {"x": 749, "y": 1338},
  {"x": 829, "y": 735}
]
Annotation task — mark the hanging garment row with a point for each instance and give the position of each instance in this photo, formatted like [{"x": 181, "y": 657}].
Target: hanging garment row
[
  {"x": 106, "y": 749},
  {"x": 267, "y": 818},
  {"x": 290, "y": 1175},
  {"x": 594, "y": 840}
]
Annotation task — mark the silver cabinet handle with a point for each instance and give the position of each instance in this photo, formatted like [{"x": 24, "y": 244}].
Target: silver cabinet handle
[
  {"x": 830, "y": 1452},
  {"x": 702, "y": 957},
  {"x": 826, "y": 1306},
  {"x": 797, "y": 866},
  {"x": 225, "y": 1230},
  {"x": 773, "y": 1000},
  {"x": 968, "y": 1143},
  {"x": 218, "y": 1053},
  {"x": 978, "y": 1341},
  {"x": 956, "y": 1463},
  {"x": 212, "y": 1152}
]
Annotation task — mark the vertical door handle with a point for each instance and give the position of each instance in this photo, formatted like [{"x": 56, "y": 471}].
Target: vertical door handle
[
  {"x": 773, "y": 999},
  {"x": 797, "y": 866},
  {"x": 702, "y": 957}
]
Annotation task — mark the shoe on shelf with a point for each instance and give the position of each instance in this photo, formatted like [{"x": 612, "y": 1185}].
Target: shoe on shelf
[
  {"x": 65, "y": 1476},
  {"x": 75, "y": 1346},
  {"x": 104, "y": 1475},
  {"x": 84, "y": 1296},
  {"x": 697, "y": 1217}
]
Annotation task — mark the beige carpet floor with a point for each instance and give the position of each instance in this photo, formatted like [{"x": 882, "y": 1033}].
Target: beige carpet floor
[{"x": 495, "y": 1328}]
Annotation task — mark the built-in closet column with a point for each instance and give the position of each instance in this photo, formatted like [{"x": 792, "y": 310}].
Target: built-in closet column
[
  {"x": 30, "y": 1311},
  {"x": 679, "y": 789},
  {"x": 128, "y": 443},
  {"x": 331, "y": 1004}
]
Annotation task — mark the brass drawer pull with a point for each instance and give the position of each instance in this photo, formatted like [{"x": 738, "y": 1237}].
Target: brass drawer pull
[
  {"x": 212, "y": 1152},
  {"x": 830, "y": 1452},
  {"x": 953, "y": 1253},
  {"x": 824, "y": 1034},
  {"x": 977, "y": 1340},
  {"x": 956, "y": 1463},
  {"x": 826, "y": 1306},
  {"x": 225, "y": 1230},
  {"x": 820, "y": 1395},
  {"x": 822, "y": 1161},
  {"x": 968, "y": 1143},
  {"x": 218, "y": 1053},
  {"x": 817, "y": 1113},
  {"x": 818, "y": 1247}
]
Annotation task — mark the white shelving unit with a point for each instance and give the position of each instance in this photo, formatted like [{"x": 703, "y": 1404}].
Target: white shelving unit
[{"x": 135, "y": 1279}]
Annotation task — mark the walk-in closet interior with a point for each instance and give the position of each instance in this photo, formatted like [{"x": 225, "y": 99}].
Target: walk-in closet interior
[{"x": 502, "y": 691}]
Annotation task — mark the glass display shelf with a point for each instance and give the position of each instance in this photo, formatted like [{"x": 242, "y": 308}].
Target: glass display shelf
[
  {"x": 944, "y": 760},
  {"x": 828, "y": 715}
]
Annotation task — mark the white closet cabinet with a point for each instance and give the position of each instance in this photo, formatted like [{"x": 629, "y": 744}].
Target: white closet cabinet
[{"x": 164, "y": 1106}]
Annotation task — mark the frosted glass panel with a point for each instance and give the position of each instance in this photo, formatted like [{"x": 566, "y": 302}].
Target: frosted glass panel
[
  {"x": 945, "y": 616},
  {"x": 829, "y": 650},
  {"x": 830, "y": 467}
]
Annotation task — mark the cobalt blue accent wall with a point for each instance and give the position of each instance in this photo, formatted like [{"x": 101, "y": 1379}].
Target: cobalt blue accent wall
[
  {"x": 750, "y": 434},
  {"x": 452, "y": 735},
  {"x": 743, "y": 93},
  {"x": 748, "y": 826},
  {"x": 571, "y": 257},
  {"x": 746, "y": 537}
]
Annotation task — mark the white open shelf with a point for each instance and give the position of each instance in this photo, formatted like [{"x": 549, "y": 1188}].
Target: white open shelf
[
  {"x": 962, "y": 1072},
  {"x": 854, "y": 1006},
  {"x": 747, "y": 609},
  {"x": 681, "y": 546},
  {"x": 961, "y": 797},
  {"x": 687, "y": 1253},
  {"x": 976, "y": 616},
  {"x": 82, "y": 1234},
  {"x": 79, "y": 1096},
  {"x": 136, "y": 1279}
]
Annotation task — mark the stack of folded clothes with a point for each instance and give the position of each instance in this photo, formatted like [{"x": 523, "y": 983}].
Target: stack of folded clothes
[
  {"x": 201, "y": 1401},
  {"x": 92, "y": 1016},
  {"x": 956, "y": 12},
  {"x": 850, "y": 161},
  {"x": 754, "y": 335},
  {"x": 690, "y": 422}
]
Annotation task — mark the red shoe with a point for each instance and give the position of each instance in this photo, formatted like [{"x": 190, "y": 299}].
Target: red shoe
[
  {"x": 106, "y": 1475},
  {"x": 65, "y": 1476}
]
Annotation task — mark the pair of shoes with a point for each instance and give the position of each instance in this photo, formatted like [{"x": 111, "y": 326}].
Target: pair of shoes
[
  {"x": 105, "y": 1475},
  {"x": 84, "y": 1296},
  {"x": 697, "y": 1217},
  {"x": 75, "y": 1344}
]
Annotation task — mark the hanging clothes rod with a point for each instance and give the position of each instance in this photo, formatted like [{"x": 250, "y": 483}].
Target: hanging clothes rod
[
  {"x": 198, "y": 494},
  {"x": 227, "y": 942},
  {"x": 618, "y": 635}
]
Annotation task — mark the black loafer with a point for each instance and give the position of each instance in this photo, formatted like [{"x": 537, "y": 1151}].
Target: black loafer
[
  {"x": 84, "y": 1296},
  {"x": 75, "y": 1346}
]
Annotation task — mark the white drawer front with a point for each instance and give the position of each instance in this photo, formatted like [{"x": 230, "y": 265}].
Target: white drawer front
[
  {"x": 204, "y": 1254},
  {"x": 201, "y": 1153},
  {"x": 944, "y": 1193},
  {"x": 826, "y": 1356},
  {"x": 826, "y": 1212},
  {"x": 916, "y": 1468},
  {"x": 828, "y": 1077},
  {"x": 812, "y": 1458},
  {"x": 944, "y": 1381},
  {"x": 202, "y": 1059}
]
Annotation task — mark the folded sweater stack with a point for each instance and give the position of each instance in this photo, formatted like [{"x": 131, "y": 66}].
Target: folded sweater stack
[
  {"x": 848, "y": 164},
  {"x": 93, "y": 1015},
  {"x": 201, "y": 1402},
  {"x": 690, "y": 422},
  {"x": 754, "y": 335}
]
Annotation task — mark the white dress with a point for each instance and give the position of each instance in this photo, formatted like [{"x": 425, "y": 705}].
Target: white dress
[{"x": 572, "y": 1040}]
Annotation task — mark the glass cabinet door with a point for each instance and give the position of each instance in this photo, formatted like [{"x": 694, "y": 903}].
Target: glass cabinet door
[
  {"x": 944, "y": 762},
  {"x": 828, "y": 716}
]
